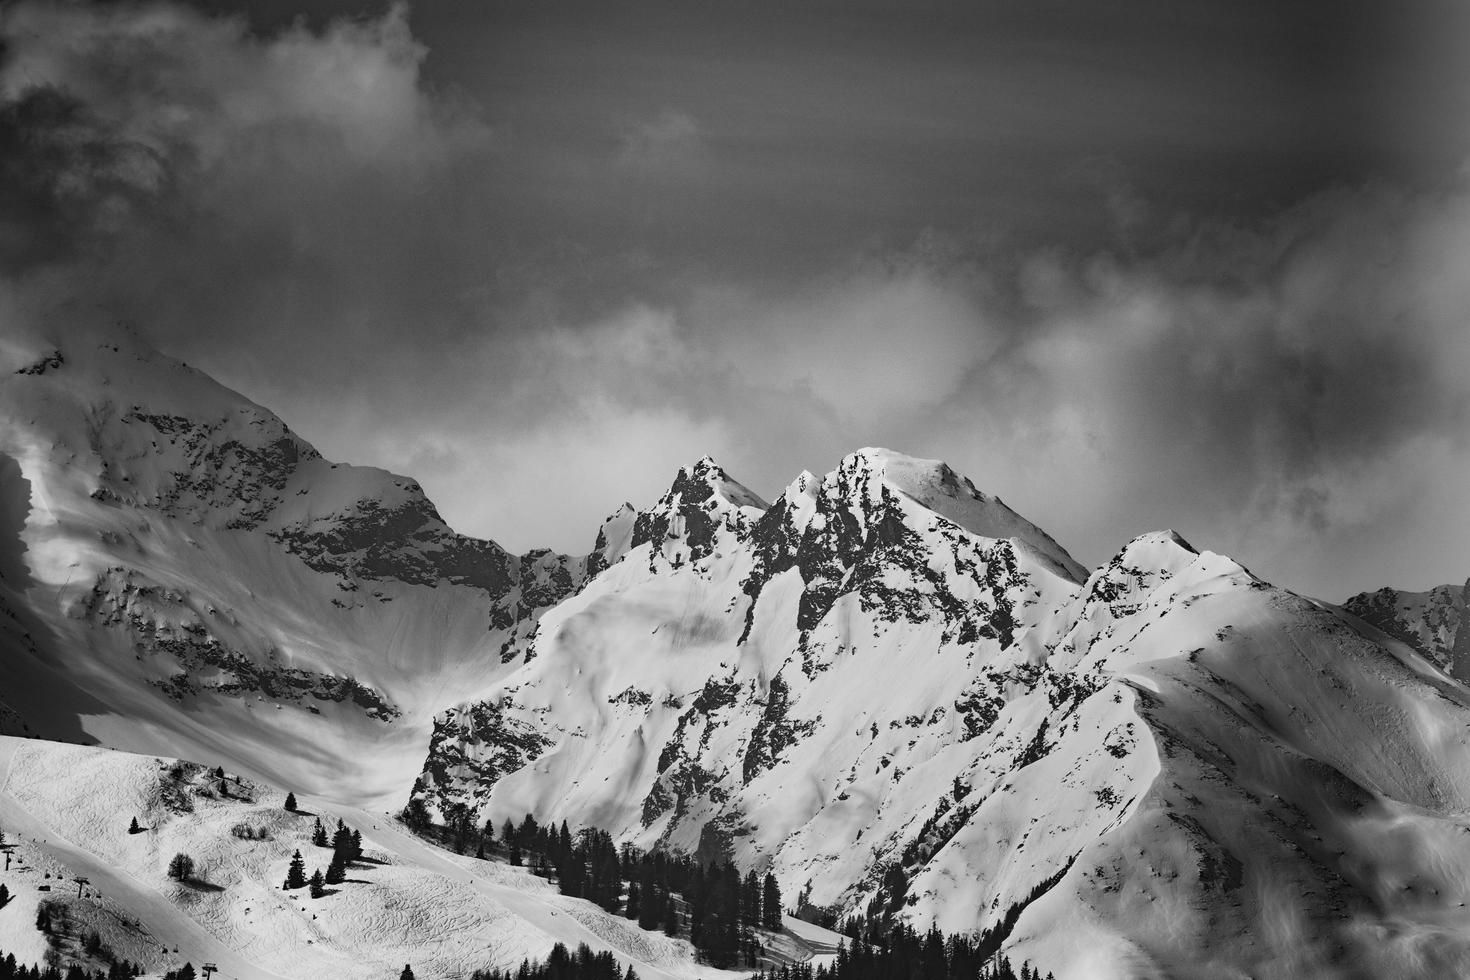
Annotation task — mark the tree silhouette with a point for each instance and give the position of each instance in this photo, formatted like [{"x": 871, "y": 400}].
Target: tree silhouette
[
  {"x": 296, "y": 873},
  {"x": 181, "y": 867}
]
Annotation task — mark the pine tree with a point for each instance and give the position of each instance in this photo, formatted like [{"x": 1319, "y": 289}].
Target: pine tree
[
  {"x": 671, "y": 916},
  {"x": 4, "y": 896},
  {"x": 480, "y": 850},
  {"x": 290, "y": 802},
  {"x": 634, "y": 907},
  {"x": 651, "y": 904},
  {"x": 337, "y": 870},
  {"x": 319, "y": 834},
  {"x": 296, "y": 873},
  {"x": 415, "y": 814},
  {"x": 526, "y": 835},
  {"x": 750, "y": 899},
  {"x": 512, "y": 843},
  {"x": 317, "y": 891},
  {"x": 356, "y": 854},
  {"x": 771, "y": 904},
  {"x": 407, "y": 973},
  {"x": 488, "y": 834},
  {"x": 133, "y": 827}
]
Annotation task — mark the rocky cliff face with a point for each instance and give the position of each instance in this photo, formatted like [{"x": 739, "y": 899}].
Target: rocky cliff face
[
  {"x": 1435, "y": 623},
  {"x": 179, "y": 564}
]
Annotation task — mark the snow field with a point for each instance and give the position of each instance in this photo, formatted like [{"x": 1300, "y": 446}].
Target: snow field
[{"x": 408, "y": 903}]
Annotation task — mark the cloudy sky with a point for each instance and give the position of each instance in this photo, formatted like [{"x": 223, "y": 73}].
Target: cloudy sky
[{"x": 1192, "y": 263}]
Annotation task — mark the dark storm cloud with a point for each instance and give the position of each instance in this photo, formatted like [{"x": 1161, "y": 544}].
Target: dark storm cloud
[{"x": 1081, "y": 251}]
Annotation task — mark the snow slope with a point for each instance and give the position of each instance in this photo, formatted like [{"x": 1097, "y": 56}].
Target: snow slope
[
  {"x": 408, "y": 902},
  {"x": 180, "y": 573},
  {"x": 1170, "y": 769}
]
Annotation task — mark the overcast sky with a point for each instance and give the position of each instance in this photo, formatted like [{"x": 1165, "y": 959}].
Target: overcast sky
[{"x": 1189, "y": 264}]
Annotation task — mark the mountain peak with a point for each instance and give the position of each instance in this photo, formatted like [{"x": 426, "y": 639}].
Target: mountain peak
[
  {"x": 703, "y": 505},
  {"x": 704, "y": 467},
  {"x": 805, "y": 485},
  {"x": 934, "y": 485},
  {"x": 705, "y": 478},
  {"x": 1167, "y": 539},
  {"x": 925, "y": 480}
]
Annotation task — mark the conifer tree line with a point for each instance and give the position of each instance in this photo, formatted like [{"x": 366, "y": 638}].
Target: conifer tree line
[
  {"x": 54, "y": 920},
  {"x": 11, "y": 970},
  {"x": 881, "y": 926},
  {"x": 346, "y": 848},
  {"x": 907, "y": 954},
  {"x": 564, "y": 965},
  {"x": 716, "y": 908}
]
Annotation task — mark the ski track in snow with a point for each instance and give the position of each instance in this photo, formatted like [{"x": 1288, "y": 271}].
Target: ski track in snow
[{"x": 461, "y": 913}]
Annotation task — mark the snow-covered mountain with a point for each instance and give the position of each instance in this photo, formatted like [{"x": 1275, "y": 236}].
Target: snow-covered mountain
[
  {"x": 180, "y": 573},
  {"x": 1435, "y": 623},
  {"x": 886, "y": 686},
  {"x": 903, "y": 698}
]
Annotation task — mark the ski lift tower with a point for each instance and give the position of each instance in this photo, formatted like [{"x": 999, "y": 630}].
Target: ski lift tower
[{"x": 80, "y": 882}]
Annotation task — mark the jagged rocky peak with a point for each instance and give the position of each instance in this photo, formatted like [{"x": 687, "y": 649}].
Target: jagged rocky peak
[
  {"x": 706, "y": 473},
  {"x": 863, "y": 477},
  {"x": 805, "y": 484},
  {"x": 702, "y": 511}
]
